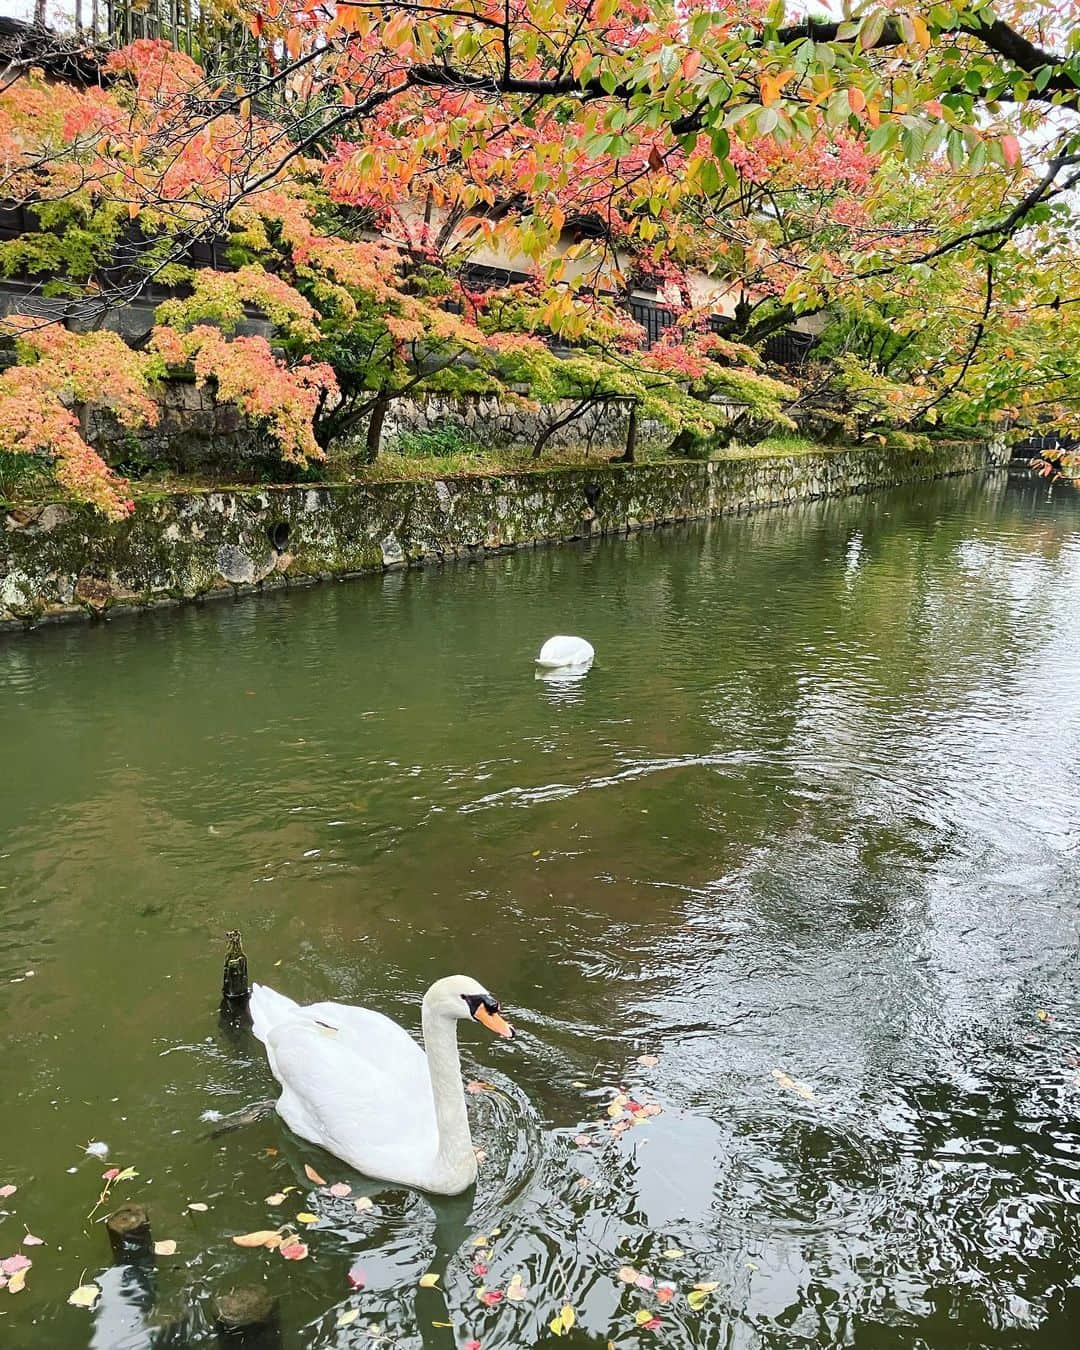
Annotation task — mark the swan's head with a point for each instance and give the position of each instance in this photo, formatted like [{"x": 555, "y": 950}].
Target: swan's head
[{"x": 461, "y": 997}]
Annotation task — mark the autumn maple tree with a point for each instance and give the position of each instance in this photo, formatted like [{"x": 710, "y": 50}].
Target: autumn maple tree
[{"x": 905, "y": 169}]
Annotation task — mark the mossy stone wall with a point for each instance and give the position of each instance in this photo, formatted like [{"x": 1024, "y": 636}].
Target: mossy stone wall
[{"x": 60, "y": 561}]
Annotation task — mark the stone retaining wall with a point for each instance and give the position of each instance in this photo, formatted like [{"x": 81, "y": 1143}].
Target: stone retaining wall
[{"x": 60, "y": 561}]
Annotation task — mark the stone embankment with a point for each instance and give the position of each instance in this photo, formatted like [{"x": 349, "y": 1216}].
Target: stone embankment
[{"x": 60, "y": 561}]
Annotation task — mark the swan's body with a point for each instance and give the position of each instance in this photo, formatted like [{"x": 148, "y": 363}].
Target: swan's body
[
  {"x": 359, "y": 1086},
  {"x": 562, "y": 653}
]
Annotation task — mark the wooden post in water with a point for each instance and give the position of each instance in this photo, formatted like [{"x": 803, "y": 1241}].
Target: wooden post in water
[
  {"x": 235, "y": 990},
  {"x": 248, "y": 1315},
  {"x": 129, "y": 1235}
]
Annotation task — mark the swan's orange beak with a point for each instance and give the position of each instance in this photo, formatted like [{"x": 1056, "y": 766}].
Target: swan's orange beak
[{"x": 495, "y": 1022}]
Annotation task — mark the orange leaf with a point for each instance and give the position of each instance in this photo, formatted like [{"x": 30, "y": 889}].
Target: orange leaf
[
  {"x": 691, "y": 63},
  {"x": 1010, "y": 148},
  {"x": 266, "y": 1237},
  {"x": 312, "y": 1175},
  {"x": 856, "y": 100}
]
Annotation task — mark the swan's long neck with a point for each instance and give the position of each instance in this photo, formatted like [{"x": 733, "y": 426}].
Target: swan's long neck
[{"x": 444, "y": 1065}]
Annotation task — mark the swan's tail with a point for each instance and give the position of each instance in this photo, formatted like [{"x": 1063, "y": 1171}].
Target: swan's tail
[{"x": 268, "y": 1008}]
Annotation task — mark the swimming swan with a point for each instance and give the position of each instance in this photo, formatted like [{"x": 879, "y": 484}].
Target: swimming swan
[
  {"x": 559, "y": 653},
  {"x": 359, "y": 1086}
]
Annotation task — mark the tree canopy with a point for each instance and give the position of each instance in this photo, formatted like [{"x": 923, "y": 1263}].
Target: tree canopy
[{"x": 908, "y": 169}]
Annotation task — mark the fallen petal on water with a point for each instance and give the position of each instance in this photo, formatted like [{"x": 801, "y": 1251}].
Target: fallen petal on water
[
  {"x": 166, "y": 1247},
  {"x": 85, "y": 1296}
]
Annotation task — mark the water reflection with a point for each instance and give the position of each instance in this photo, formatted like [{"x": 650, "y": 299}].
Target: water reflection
[{"x": 830, "y": 833}]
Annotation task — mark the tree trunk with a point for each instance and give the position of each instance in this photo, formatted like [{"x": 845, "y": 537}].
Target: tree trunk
[
  {"x": 627, "y": 456},
  {"x": 375, "y": 427}
]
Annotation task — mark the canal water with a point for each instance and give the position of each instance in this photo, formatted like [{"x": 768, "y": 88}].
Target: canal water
[{"x": 783, "y": 900}]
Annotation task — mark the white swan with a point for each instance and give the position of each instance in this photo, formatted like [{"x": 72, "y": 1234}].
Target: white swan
[
  {"x": 359, "y": 1086},
  {"x": 561, "y": 653}
]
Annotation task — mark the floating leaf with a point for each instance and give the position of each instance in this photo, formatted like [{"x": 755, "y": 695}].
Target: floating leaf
[
  {"x": 166, "y": 1247},
  {"x": 628, "y": 1274},
  {"x": 516, "y": 1290},
  {"x": 293, "y": 1251},
  {"x": 111, "y": 1174},
  {"x": 1043, "y": 1015},
  {"x": 265, "y": 1237},
  {"x": 490, "y": 1296},
  {"x": 644, "y": 1281},
  {"x": 479, "y": 1269},
  {"x": 305, "y": 1217},
  {"x": 365, "y": 1202},
  {"x": 11, "y": 1265},
  {"x": 472, "y": 1345},
  {"x": 674, "y": 1252},
  {"x": 357, "y": 1277},
  {"x": 341, "y": 1189},
  {"x": 803, "y": 1090},
  {"x": 707, "y": 1286},
  {"x": 278, "y": 1198},
  {"x": 477, "y": 1086},
  {"x": 198, "y": 1207},
  {"x": 582, "y": 1140},
  {"x": 31, "y": 1241},
  {"x": 665, "y": 1293},
  {"x": 5, "y": 1191},
  {"x": 651, "y": 1109},
  {"x": 562, "y": 1324},
  {"x": 647, "y": 1319},
  {"x": 128, "y": 1174},
  {"x": 348, "y": 1318},
  {"x": 697, "y": 1298},
  {"x": 312, "y": 1175},
  {"x": 648, "y": 1061},
  {"x": 429, "y": 1281},
  {"x": 85, "y": 1296},
  {"x": 17, "y": 1283}
]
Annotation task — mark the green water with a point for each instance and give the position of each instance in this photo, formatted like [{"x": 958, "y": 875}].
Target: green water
[{"x": 814, "y": 810}]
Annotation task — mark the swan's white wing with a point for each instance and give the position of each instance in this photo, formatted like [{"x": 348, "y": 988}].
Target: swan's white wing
[
  {"x": 565, "y": 651},
  {"x": 358, "y": 1085}
]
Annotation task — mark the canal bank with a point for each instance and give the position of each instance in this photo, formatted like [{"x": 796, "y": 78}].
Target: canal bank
[{"x": 60, "y": 562}]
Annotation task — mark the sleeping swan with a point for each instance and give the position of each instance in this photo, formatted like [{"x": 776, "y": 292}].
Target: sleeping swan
[
  {"x": 563, "y": 653},
  {"x": 359, "y": 1086}
]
